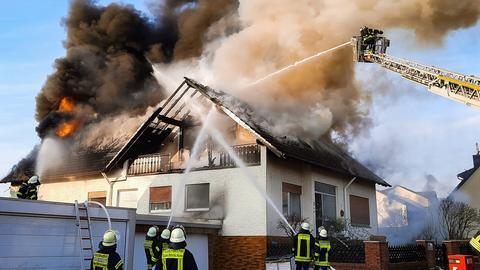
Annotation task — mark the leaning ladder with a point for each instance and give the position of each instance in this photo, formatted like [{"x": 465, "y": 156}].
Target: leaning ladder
[{"x": 84, "y": 234}]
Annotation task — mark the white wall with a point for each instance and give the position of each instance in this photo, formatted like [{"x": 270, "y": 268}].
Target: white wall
[
  {"x": 232, "y": 198},
  {"x": 69, "y": 191},
  {"x": 304, "y": 175}
]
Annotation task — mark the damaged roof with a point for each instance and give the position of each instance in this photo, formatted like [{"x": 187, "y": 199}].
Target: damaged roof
[
  {"x": 321, "y": 153},
  {"x": 82, "y": 164}
]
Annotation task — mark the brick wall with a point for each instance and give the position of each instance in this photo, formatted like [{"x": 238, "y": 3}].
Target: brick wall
[
  {"x": 349, "y": 266},
  {"x": 237, "y": 252}
]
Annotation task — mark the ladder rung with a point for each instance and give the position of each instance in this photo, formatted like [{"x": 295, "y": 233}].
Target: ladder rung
[
  {"x": 84, "y": 228},
  {"x": 87, "y": 248},
  {"x": 86, "y": 238}
]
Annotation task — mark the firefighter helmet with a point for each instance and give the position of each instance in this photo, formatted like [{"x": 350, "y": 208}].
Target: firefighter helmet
[
  {"x": 109, "y": 239},
  {"x": 305, "y": 226},
  {"x": 152, "y": 232},
  {"x": 165, "y": 234},
  {"x": 178, "y": 235}
]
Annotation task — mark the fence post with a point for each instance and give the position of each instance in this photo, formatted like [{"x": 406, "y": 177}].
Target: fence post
[
  {"x": 452, "y": 246},
  {"x": 429, "y": 252},
  {"x": 376, "y": 255}
]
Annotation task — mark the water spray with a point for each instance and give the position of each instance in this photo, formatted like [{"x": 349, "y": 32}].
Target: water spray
[
  {"x": 300, "y": 62},
  {"x": 252, "y": 178},
  {"x": 189, "y": 166}
]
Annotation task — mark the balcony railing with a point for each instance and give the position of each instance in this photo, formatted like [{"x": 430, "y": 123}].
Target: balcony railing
[
  {"x": 157, "y": 163},
  {"x": 150, "y": 164},
  {"x": 249, "y": 153}
]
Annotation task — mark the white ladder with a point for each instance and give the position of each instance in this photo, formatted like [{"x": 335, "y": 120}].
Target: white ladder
[{"x": 84, "y": 234}]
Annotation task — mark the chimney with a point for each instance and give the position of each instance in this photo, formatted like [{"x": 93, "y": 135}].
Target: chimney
[{"x": 476, "y": 158}]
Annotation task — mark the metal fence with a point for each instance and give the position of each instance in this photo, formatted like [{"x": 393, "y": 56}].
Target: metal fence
[
  {"x": 347, "y": 252},
  {"x": 406, "y": 253},
  {"x": 276, "y": 251},
  {"x": 350, "y": 252}
]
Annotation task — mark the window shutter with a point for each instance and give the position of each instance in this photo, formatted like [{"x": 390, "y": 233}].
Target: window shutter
[
  {"x": 160, "y": 194},
  {"x": 359, "y": 210},
  {"x": 291, "y": 188}
]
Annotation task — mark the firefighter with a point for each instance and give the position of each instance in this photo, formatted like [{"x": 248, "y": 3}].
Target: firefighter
[
  {"x": 322, "y": 247},
  {"x": 151, "y": 246},
  {"x": 475, "y": 242},
  {"x": 164, "y": 239},
  {"x": 303, "y": 245},
  {"x": 29, "y": 190},
  {"x": 176, "y": 257},
  {"x": 106, "y": 258}
]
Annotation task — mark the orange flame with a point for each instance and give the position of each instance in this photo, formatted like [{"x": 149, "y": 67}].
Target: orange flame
[
  {"x": 66, "y": 105},
  {"x": 66, "y": 129}
]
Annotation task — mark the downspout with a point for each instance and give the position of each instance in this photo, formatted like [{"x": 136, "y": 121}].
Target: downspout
[
  {"x": 345, "y": 197},
  {"x": 122, "y": 177},
  {"x": 110, "y": 190}
]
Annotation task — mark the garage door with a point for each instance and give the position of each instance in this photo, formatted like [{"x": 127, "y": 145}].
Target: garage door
[{"x": 46, "y": 243}]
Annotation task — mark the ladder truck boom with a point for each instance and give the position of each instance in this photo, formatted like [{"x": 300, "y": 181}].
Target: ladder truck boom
[{"x": 452, "y": 85}]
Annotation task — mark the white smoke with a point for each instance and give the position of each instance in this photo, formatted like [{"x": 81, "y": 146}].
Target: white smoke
[{"x": 51, "y": 155}]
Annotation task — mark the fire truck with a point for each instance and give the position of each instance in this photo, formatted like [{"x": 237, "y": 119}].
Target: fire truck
[{"x": 370, "y": 47}]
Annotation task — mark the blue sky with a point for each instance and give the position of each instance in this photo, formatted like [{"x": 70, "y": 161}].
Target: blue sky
[{"x": 415, "y": 133}]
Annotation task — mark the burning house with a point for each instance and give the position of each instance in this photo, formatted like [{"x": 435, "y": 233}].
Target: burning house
[{"x": 315, "y": 180}]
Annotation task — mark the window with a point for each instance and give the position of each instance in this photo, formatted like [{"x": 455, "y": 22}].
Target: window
[
  {"x": 127, "y": 198},
  {"x": 160, "y": 198},
  {"x": 359, "y": 211},
  {"x": 325, "y": 203},
  {"x": 197, "y": 197},
  {"x": 291, "y": 200},
  {"x": 98, "y": 196}
]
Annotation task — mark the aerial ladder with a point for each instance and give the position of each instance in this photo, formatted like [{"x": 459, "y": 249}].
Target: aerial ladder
[{"x": 370, "y": 47}]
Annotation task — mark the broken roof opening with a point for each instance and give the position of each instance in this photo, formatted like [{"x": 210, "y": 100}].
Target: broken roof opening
[{"x": 175, "y": 113}]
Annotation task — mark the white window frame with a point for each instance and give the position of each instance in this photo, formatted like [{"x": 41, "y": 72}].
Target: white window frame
[
  {"x": 196, "y": 209},
  {"x": 326, "y": 194}
]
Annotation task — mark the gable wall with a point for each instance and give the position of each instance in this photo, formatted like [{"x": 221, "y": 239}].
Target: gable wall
[
  {"x": 469, "y": 190},
  {"x": 302, "y": 174}
]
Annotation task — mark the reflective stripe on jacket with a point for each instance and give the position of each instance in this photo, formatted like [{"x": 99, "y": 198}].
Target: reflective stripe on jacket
[
  {"x": 322, "y": 247},
  {"x": 148, "y": 245},
  {"x": 100, "y": 261},
  {"x": 302, "y": 255},
  {"x": 475, "y": 243},
  {"x": 103, "y": 261},
  {"x": 173, "y": 254}
]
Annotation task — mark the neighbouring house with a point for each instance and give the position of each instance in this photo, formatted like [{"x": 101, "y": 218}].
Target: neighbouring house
[
  {"x": 315, "y": 180},
  {"x": 468, "y": 188},
  {"x": 403, "y": 213}
]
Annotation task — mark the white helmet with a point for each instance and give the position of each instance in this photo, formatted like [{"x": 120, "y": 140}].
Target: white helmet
[
  {"x": 305, "y": 226},
  {"x": 109, "y": 239},
  {"x": 165, "y": 234},
  {"x": 152, "y": 232},
  {"x": 322, "y": 232},
  {"x": 33, "y": 180},
  {"x": 177, "y": 236}
]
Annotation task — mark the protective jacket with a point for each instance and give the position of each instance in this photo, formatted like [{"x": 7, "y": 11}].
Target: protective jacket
[
  {"x": 27, "y": 191},
  {"x": 475, "y": 242},
  {"x": 176, "y": 257},
  {"x": 106, "y": 258},
  {"x": 151, "y": 250},
  {"x": 322, "y": 247},
  {"x": 303, "y": 244}
]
